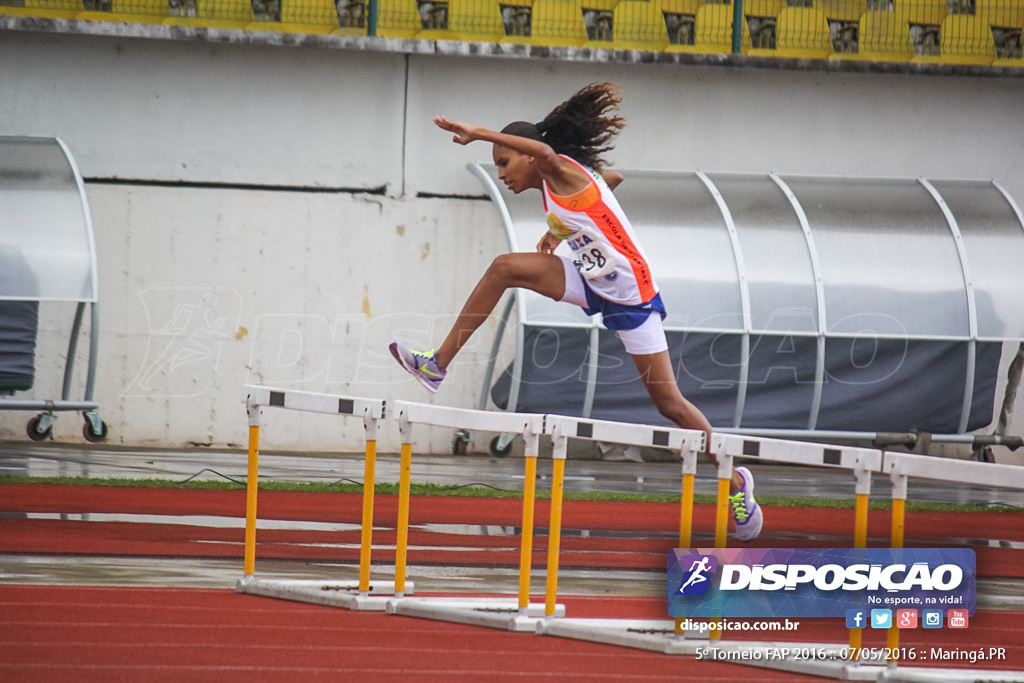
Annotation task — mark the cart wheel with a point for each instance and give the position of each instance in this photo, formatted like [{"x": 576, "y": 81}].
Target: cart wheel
[
  {"x": 92, "y": 436},
  {"x": 496, "y": 447},
  {"x": 460, "y": 442},
  {"x": 32, "y": 429}
]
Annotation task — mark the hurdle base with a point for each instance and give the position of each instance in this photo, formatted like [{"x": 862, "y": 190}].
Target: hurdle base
[
  {"x": 656, "y": 635},
  {"x": 344, "y": 594},
  {"x": 500, "y": 613}
]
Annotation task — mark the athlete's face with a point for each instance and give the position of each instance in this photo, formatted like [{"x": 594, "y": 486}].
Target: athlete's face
[{"x": 517, "y": 170}]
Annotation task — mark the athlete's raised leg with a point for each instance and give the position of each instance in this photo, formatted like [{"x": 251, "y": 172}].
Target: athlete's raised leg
[{"x": 541, "y": 273}]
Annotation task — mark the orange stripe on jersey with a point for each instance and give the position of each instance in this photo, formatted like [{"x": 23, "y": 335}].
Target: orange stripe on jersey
[
  {"x": 608, "y": 223},
  {"x": 581, "y": 201}
]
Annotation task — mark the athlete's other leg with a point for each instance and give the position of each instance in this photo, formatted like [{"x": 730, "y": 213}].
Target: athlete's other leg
[
  {"x": 656, "y": 372},
  {"x": 542, "y": 273}
]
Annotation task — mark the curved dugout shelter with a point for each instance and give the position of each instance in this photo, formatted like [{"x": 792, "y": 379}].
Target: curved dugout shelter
[
  {"x": 843, "y": 305},
  {"x": 47, "y": 254}
]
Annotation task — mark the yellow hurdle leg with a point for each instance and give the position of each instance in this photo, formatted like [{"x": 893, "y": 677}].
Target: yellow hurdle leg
[
  {"x": 860, "y": 540},
  {"x": 366, "y": 540},
  {"x": 721, "y": 533},
  {"x": 898, "y": 513},
  {"x": 722, "y": 513},
  {"x": 686, "y": 512},
  {"x": 685, "y": 525},
  {"x": 403, "y": 519},
  {"x": 251, "y": 486},
  {"x": 554, "y": 536},
  {"x": 526, "y": 551}
]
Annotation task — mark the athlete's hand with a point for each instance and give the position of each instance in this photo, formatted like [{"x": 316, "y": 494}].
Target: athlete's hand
[
  {"x": 464, "y": 134},
  {"x": 548, "y": 243}
]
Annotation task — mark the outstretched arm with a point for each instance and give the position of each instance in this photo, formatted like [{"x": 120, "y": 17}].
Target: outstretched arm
[{"x": 562, "y": 176}]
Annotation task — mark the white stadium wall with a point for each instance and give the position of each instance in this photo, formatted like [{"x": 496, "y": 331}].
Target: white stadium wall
[{"x": 277, "y": 215}]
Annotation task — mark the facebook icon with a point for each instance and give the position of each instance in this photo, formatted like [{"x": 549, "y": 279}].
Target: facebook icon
[{"x": 856, "y": 618}]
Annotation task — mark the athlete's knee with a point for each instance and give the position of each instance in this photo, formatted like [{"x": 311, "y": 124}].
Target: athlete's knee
[
  {"x": 505, "y": 270},
  {"x": 672, "y": 411},
  {"x": 669, "y": 404},
  {"x": 673, "y": 407},
  {"x": 502, "y": 268}
]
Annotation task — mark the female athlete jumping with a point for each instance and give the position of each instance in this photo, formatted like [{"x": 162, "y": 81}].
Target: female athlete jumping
[{"x": 608, "y": 271}]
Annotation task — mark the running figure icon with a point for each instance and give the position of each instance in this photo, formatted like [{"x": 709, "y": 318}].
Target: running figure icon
[{"x": 697, "y": 570}]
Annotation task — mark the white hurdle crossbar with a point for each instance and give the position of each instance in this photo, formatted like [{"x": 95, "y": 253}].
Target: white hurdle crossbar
[
  {"x": 517, "y": 615},
  {"x": 861, "y": 461},
  {"x": 341, "y": 594},
  {"x": 948, "y": 469}
]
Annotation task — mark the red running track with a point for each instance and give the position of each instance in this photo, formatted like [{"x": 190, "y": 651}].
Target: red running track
[
  {"x": 637, "y": 535},
  {"x": 166, "y": 635},
  {"x": 153, "y": 635}
]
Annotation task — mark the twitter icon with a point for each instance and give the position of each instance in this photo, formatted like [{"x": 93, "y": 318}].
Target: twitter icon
[{"x": 881, "y": 618}]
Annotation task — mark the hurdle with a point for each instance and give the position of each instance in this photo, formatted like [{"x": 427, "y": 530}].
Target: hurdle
[
  {"x": 663, "y": 635},
  {"x": 901, "y": 466},
  {"x": 861, "y": 461},
  {"x": 336, "y": 593},
  {"x": 648, "y": 634},
  {"x": 506, "y": 614}
]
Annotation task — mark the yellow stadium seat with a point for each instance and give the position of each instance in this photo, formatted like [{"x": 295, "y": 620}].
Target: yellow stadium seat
[
  {"x": 398, "y": 19},
  {"x": 713, "y": 32},
  {"x": 842, "y": 10},
  {"x": 469, "y": 20},
  {"x": 967, "y": 39},
  {"x": 843, "y": 18},
  {"x": 922, "y": 11},
  {"x": 477, "y": 20},
  {"x": 1006, "y": 19},
  {"x": 302, "y": 16},
  {"x": 352, "y": 18},
  {"x": 639, "y": 25},
  {"x": 804, "y": 32},
  {"x": 762, "y": 18},
  {"x": 925, "y": 20},
  {"x": 599, "y": 20},
  {"x": 516, "y": 15},
  {"x": 45, "y": 9},
  {"x": 1004, "y": 13},
  {"x": 435, "y": 20},
  {"x": 883, "y": 37},
  {"x": 554, "y": 23},
  {"x": 221, "y": 14},
  {"x": 680, "y": 20},
  {"x": 131, "y": 12}
]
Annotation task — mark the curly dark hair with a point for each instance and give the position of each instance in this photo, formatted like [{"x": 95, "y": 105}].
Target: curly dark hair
[{"x": 582, "y": 127}]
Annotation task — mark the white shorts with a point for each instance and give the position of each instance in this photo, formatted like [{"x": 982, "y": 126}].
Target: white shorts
[{"x": 646, "y": 339}]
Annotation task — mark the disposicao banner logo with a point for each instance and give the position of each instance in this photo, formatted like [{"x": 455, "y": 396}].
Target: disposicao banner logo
[{"x": 817, "y": 582}]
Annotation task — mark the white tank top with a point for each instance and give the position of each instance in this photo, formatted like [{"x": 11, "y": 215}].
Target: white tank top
[{"x": 605, "y": 248}]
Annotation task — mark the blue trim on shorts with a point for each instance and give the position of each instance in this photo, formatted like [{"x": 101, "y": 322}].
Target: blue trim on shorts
[{"x": 622, "y": 316}]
